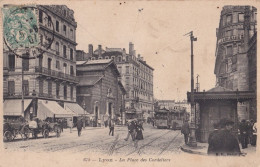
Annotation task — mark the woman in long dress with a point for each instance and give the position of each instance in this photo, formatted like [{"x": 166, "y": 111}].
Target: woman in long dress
[{"x": 139, "y": 133}]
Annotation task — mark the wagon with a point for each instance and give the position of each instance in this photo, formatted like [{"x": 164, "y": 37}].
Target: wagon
[
  {"x": 14, "y": 128},
  {"x": 43, "y": 127}
]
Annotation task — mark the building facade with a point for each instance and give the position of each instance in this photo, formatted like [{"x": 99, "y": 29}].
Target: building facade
[
  {"x": 135, "y": 74},
  {"x": 233, "y": 66},
  {"x": 52, "y": 75},
  {"x": 99, "y": 91}
]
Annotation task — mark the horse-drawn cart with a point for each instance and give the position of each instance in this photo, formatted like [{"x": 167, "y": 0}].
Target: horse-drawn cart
[{"x": 14, "y": 128}]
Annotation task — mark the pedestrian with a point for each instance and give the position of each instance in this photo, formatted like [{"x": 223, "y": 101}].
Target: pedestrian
[
  {"x": 211, "y": 138},
  {"x": 243, "y": 128},
  {"x": 254, "y": 138},
  {"x": 223, "y": 142},
  {"x": 111, "y": 126},
  {"x": 106, "y": 122},
  {"x": 250, "y": 125},
  {"x": 139, "y": 129},
  {"x": 185, "y": 130},
  {"x": 79, "y": 126},
  {"x": 131, "y": 126}
]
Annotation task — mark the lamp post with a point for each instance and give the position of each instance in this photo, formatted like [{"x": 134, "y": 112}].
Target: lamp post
[{"x": 192, "y": 139}]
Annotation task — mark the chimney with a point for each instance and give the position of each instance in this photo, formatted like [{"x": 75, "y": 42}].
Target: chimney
[
  {"x": 131, "y": 48},
  {"x": 90, "y": 49},
  {"x": 124, "y": 52},
  {"x": 133, "y": 52},
  {"x": 142, "y": 58},
  {"x": 99, "y": 50},
  {"x": 139, "y": 56}
]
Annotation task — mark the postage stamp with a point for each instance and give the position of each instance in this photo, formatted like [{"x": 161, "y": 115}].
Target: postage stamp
[{"x": 21, "y": 31}]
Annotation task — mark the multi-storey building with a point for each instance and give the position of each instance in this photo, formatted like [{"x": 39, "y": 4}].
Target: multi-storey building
[
  {"x": 99, "y": 90},
  {"x": 136, "y": 76},
  {"x": 233, "y": 66},
  {"x": 52, "y": 76}
]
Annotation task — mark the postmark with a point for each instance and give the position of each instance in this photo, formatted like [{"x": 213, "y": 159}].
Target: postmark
[{"x": 22, "y": 30}]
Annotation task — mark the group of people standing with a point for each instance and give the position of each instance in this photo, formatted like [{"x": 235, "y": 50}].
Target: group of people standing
[
  {"x": 246, "y": 130},
  {"x": 135, "y": 129}
]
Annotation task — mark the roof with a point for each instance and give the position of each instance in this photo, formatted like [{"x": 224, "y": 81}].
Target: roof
[
  {"x": 13, "y": 107},
  {"x": 99, "y": 61},
  {"x": 223, "y": 95},
  {"x": 80, "y": 62},
  {"x": 97, "y": 65},
  {"x": 76, "y": 108},
  {"x": 114, "y": 49},
  {"x": 219, "y": 89},
  {"x": 144, "y": 63},
  {"x": 89, "y": 80},
  {"x": 50, "y": 109}
]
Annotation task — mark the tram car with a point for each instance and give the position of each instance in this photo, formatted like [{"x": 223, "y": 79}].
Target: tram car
[{"x": 171, "y": 119}]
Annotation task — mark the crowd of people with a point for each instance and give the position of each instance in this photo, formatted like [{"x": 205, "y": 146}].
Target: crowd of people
[{"x": 135, "y": 130}]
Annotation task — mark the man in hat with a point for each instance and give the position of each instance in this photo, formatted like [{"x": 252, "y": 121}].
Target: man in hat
[
  {"x": 185, "y": 130},
  {"x": 243, "y": 128},
  {"x": 223, "y": 142},
  {"x": 79, "y": 126}
]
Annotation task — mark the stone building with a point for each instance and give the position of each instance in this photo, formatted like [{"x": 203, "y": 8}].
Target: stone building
[
  {"x": 99, "y": 90},
  {"x": 51, "y": 76},
  {"x": 234, "y": 67},
  {"x": 135, "y": 74}
]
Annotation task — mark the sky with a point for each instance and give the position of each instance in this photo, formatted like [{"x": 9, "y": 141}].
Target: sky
[{"x": 157, "y": 30}]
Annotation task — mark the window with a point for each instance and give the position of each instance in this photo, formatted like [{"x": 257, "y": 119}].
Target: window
[
  {"x": 99, "y": 57},
  {"x": 64, "y": 68},
  {"x": 113, "y": 57},
  {"x": 71, "y": 92},
  {"x": 229, "y": 19},
  {"x": 11, "y": 62},
  {"x": 65, "y": 92},
  {"x": 127, "y": 58},
  {"x": 241, "y": 17},
  {"x": 65, "y": 29},
  {"x": 49, "y": 21},
  {"x": 64, "y": 51},
  {"x": 57, "y": 26},
  {"x": 71, "y": 54},
  {"x": 228, "y": 33},
  {"x": 49, "y": 88},
  {"x": 57, "y": 48},
  {"x": 127, "y": 69},
  {"x": 119, "y": 59},
  {"x": 106, "y": 57},
  {"x": 11, "y": 88},
  {"x": 40, "y": 16},
  {"x": 41, "y": 39},
  {"x": 71, "y": 34},
  {"x": 93, "y": 58},
  {"x": 57, "y": 64},
  {"x": 120, "y": 69},
  {"x": 26, "y": 87},
  {"x": 41, "y": 87},
  {"x": 229, "y": 50},
  {"x": 127, "y": 81},
  {"x": 58, "y": 90},
  {"x": 71, "y": 70},
  {"x": 25, "y": 62}
]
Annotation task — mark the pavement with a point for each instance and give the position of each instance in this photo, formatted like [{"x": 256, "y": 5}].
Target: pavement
[{"x": 202, "y": 149}]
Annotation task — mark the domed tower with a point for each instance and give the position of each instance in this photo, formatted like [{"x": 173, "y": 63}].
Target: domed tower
[{"x": 237, "y": 25}]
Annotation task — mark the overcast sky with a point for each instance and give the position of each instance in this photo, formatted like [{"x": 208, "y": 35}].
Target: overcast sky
[{"x": 158, "y": 27}]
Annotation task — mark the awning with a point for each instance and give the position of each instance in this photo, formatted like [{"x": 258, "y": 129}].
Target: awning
[
  {"x": 75, "y": 108},
  {"x": 50, "y": 109},
  {"x": 13, "y": 107}
]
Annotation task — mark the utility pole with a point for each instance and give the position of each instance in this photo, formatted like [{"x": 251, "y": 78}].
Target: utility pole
[
  {"x": 22, "y": 91},
  {"x": 192, "y": 139},
  {"x": 197, "y": 84}
]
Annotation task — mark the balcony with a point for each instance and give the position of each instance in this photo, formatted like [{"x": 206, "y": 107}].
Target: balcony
[
  {"x": 56, "y": 74},
  {"x": 232, "y": 38}
]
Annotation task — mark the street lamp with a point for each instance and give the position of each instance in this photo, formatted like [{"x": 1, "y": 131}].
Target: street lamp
[{"x": 192, "y": 139}]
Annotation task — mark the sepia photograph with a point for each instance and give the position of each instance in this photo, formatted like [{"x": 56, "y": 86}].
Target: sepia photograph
[{"x": 126, "y": 83}]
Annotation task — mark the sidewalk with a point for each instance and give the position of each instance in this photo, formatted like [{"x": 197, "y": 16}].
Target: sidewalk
[{"x": 202, "y": 149}]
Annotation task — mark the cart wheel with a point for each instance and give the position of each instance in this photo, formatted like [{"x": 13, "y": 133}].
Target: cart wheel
[
  {"x": 8, "y": 136},
  {"x": 58, "y": 132},
  {"x": 46, "y": 133},
  {"x": 26, "y": 133},
  {"x": 35, "y": 135}
]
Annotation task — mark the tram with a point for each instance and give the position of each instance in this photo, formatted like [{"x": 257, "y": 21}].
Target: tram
[{"x": 173, "y": 119}]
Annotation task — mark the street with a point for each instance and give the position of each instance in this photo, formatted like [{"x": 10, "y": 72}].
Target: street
[{"x": 97, "y": 141}]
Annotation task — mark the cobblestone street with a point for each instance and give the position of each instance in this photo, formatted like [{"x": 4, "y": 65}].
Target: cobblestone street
[{"x": 96, "y": 140}]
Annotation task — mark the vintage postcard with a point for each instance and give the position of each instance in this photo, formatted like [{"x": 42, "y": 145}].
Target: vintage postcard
[{"x": 126, "y": 83}]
